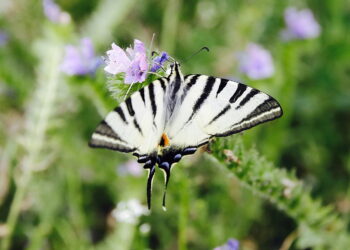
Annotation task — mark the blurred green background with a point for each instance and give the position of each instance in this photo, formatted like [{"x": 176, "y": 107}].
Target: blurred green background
[{"x": 57, "y": 193}]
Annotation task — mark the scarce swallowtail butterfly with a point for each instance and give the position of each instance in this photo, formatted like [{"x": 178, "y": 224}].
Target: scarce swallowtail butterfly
[{"x": 176, "y": 114}]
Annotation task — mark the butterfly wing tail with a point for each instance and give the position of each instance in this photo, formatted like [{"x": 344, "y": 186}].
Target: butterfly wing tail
[
  {"x": 165, "y": 166},
  {"x": 150, "y": 166}
]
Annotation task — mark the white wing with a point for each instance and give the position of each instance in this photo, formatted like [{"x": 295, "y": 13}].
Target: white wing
[
  {"x": 217, "y": 107},
  {"x": 137, "y": 124}
]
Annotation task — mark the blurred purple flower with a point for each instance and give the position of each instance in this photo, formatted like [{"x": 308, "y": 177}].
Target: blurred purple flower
[
  {"x": 130, "y": 168},
  {"x": 301, "y": 24},
  {"x": 232, "y": 244},
  {"x": 159, "y": 61},
  {"x": 256, "y": 62},
  {"x": 133, "y": 63},
  {"x": 80, "y": 60},
  {"x": 54, "y": 13},
  {"x": 3, "y": 38}
]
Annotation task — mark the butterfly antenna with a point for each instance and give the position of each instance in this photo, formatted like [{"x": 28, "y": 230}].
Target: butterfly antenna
[
  {"x": 127, "y": 92},
  {"x": 151, "y": 172},
  {"x": 197, "y": 52},
  {"x": 166, "y": 167},
  {"x": 154, "y": 53}
]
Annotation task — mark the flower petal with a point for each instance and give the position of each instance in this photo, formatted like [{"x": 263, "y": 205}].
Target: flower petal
[
  {"x": 159, "y": 61},
  {"x": 117, "y": 60}
]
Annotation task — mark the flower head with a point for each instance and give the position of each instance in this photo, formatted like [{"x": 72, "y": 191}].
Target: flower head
[
  {"x": 159, "y": 61},
  {"x": 130, "y": 168},
  {"x": 232, "y": 244},
  {"x": 256, "y": 62},
  {"x": 54, "y": 13},
  {"x": 301, "y": 24},
  {"x": 129, "y": 211},
  {"x": 133, "y": 62},
  {"x": 80, "y": 60}
]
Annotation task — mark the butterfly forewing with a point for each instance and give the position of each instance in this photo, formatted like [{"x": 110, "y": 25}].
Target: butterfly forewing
[
  {"x": 217, "y": 107},
  {"x": 137, "y": 124}
]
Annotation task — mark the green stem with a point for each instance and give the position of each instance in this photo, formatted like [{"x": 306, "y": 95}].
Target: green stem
[
  {"x": 169, "y": 26},
  {"x": 36, "y": 121},
  {"x": 319, "y": 226},
  {"x": 108, "y": 15},
  {"x": 183, "y": 213}
]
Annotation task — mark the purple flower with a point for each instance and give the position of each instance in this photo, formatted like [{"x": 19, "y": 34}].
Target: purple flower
[
  {"x": 301, "y": 24},
  {"x": 80, "y": 60},
  {"x": 256, "y": 62},
  {"x": 130, "y": 168},
  {"x": 3, "y": 38},
  {"x": 159, "y": 61},
  {"x": 54, "y": 13},
  {"x": 133, "y": 62},
  {"x": 232, "y": 244}
]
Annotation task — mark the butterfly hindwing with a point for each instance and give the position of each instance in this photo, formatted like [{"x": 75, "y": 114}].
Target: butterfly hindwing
[{"x": 137, "y": 124}]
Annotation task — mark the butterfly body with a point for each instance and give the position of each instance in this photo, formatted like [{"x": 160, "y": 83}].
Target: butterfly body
[{"x": 174, "y": 115}]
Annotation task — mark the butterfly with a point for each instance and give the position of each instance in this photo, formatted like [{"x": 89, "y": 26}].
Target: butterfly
[{"x": 174, "y": 115}]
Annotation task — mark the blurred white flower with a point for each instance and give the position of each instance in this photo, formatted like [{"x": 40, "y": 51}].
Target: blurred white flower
[
  {"x": 54, "y": 13},
  {"x": 289, "y": 186},
  {"x": 145, "y": 228},
  {"x": 129, "y": 211},
  {"x": 130, "y": 168}
]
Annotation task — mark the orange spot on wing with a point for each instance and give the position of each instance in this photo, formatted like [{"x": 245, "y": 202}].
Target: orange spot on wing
[{"x": 165, "y": 140}]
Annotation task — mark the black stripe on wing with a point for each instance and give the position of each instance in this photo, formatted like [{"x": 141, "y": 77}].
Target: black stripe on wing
[
  {"x": 249, "y": 96},
  {"x": 205, "y": 94},
  {"x": 221, "y": 113},
  {"x": 94, "y": 143},
  {"x": 152, "y": 99},
  {"x": 120, "y": 112},
  {"x": 105, "y": 137},
  {"x": 189, "y": 84},
  {"x": 177, "y": 82},
  {"x": 128, "y": 103},
  {"x": 222, "y": 85},
  {"x": 137, "y": 126},
  {"x": 162, "y": 84},
  {"x": 142, "y": 94},
  {"x": 239, "y": 91},
  {"x": 269, "y": 110},
  {"x": 104, "y": 129}
]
